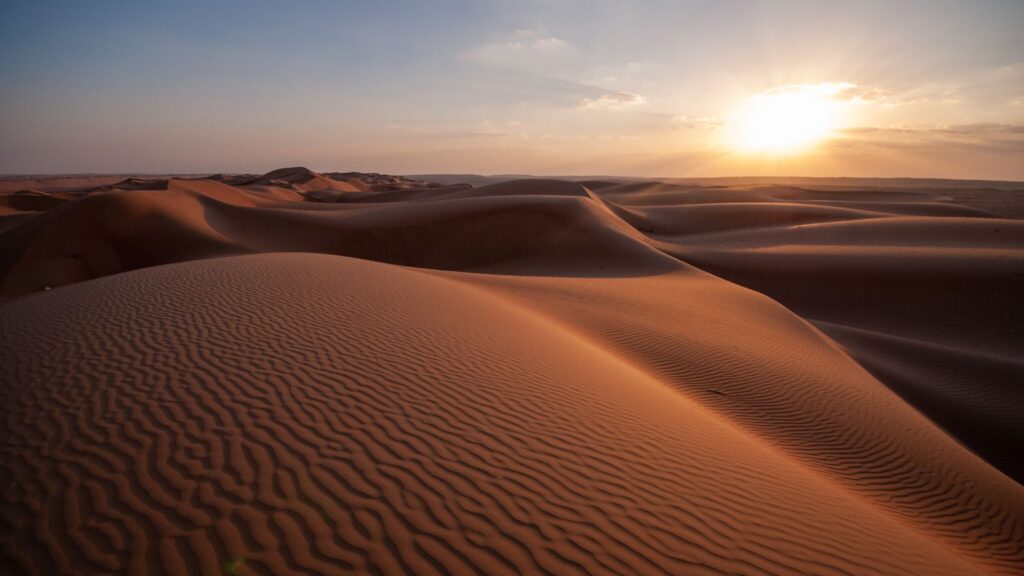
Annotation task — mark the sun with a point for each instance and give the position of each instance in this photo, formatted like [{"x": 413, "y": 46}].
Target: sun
[{"x": 787, "y": 120}]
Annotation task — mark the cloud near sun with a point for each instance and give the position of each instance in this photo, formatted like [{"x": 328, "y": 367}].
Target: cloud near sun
[
  {"x": 795, "y": 117},
  {"x": 613, "y": 101},
  {"x": 799, "y": 118},
  {"x": 636, "y": 88}
]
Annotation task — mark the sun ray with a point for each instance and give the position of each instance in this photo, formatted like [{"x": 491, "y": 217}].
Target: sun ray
[{"x": 787, "y": 120}]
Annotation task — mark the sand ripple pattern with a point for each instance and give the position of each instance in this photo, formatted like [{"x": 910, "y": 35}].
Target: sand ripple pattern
[{"x": 312, "y": 414}]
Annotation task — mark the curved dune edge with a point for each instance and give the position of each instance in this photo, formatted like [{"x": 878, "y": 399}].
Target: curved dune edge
[
  {"x": 767, "y": 370},
  {"x": 975, "y": 396},
  {"x": 609, "y": 267},
  {"x": 412, "y": 424}
]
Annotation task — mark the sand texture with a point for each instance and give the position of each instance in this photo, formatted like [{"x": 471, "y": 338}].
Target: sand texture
[{"x": 304, "y": 373}]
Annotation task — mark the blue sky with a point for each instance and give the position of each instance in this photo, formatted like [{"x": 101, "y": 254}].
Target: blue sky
[{"x": 931, "y": 88}]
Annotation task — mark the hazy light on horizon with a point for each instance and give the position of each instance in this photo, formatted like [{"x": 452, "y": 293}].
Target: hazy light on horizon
[{"x": 652, "y": 88}]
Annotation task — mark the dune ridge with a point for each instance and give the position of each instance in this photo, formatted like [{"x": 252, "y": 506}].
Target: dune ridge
[{"x": 529, "y": 376}]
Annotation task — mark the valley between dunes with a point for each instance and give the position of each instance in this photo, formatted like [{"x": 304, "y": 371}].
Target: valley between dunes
[{"x": 303, "y": 373}]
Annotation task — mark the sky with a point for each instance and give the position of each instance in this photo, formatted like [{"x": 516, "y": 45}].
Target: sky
[{"x": 548, "y": 87}]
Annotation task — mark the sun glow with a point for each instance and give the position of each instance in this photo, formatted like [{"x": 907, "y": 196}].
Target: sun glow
[{"x": 789, "y": 119}]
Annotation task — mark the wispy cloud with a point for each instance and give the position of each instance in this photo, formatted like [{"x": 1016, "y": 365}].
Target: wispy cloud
[
  {"x": 977, "y": 129},
  {"x": 938, "y": 140},
  {"x": 846, "y": 92},
  {"x": 520, "y": 48},
  {"x": 612, "y": 101},
  {"x": 857, "y": 94},
  {"x": 695, "y": 123}
]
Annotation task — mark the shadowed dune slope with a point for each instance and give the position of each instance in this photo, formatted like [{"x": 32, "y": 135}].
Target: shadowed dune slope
[
  {"x": 976, "y": 396},
  {"x": 932, "y": 304},
  {"x": 955, "y": 281},
  {"x": 754, "y": 361},
  {"x": 565, "y": 231},
  {"x": 529, "y": 376},
  {"x": 316, "y": 414}
]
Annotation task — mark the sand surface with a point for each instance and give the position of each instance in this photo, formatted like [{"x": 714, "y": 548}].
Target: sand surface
[{"x": 303, "y": 373}]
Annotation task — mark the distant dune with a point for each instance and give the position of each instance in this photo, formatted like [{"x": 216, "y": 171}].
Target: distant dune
[{"x": 332, "y": 373}]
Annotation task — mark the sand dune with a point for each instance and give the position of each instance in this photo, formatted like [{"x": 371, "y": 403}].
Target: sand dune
[
  {"x": 528, "y": 376},
  {"x": 976, "y": 396}
]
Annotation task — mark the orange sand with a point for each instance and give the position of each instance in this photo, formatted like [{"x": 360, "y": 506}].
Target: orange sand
[{"x": 336, "y": 373}]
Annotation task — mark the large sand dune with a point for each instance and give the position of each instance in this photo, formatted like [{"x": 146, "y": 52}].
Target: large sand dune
[{"x": 529, "y": 376}]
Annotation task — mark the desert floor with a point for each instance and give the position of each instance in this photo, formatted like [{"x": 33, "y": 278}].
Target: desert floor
[{"x": 302, "y": 373}]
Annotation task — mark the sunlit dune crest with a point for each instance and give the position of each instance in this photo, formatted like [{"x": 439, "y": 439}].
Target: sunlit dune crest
[{"x": 324, "y": 373}]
